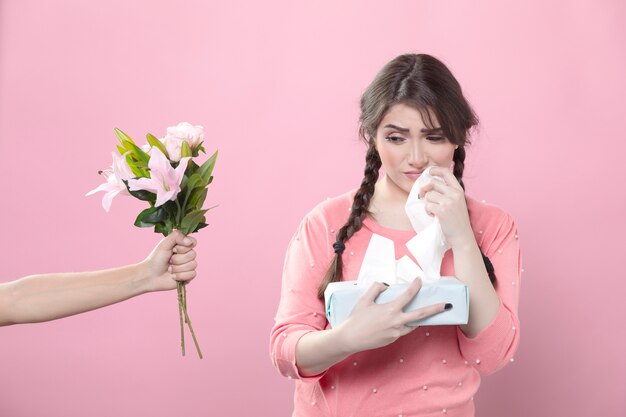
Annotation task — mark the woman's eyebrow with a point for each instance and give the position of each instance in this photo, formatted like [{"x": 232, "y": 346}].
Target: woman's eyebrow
[
  {"x": 398, "y": 128},
  {"x": 434, "y": 130}
]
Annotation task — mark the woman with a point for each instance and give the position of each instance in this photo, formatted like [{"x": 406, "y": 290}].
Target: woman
[
  {"x": 38, "y": 298},
  {"x": 413, "y": 116}
]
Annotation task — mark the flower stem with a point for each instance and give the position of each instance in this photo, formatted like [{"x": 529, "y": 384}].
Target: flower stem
[
  {"x": 188, "y": 321},
  {"x": 179, "y": 290},
  {"x": 184, "y": 210},
  {"x": 179, "y": 215}
]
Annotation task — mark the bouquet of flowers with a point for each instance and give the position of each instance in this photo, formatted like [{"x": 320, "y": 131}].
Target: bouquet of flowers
[{"x": 164, "y": 174}]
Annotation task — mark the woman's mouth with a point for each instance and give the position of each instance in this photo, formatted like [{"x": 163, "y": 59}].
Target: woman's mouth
[{"x": 413, "y": 175}]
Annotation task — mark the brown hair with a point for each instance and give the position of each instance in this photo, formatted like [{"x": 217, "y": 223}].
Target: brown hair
[{"x": 426, "y": 84}]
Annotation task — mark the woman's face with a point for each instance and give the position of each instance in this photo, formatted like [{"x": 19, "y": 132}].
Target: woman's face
[{"x": 406, "y": 146}]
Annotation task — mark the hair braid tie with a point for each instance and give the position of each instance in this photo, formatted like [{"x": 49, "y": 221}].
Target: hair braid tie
[{"x": 339, "y": 247}]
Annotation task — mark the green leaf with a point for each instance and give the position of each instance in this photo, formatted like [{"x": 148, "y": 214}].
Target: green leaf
[
  {"x": 154, "y": 141},
  {"x": 197, "y": 198},
  {"x": 183, "y": 183},
  {"x": 150, "y": 216},
  {"x": 134, "y": 166},
  {"x": 171, "y": 209},
  {"x": 185, "y": 150},
  {"x": 195, "y": 181},
  {"x": 206, "y": 169},
  {"x": 165, "y": 227},
  {"x": 200, "y": 226},
  {"x": 138, "y": 153},
  {"x": 197, "y": 149},
  {"x": 142, "y": 195},
  {"x": 192, "y": 168},
  {"x": 192, "y": 220},
  {"x": 122, "y": 137},
  {"x": 121, "y": 150}
]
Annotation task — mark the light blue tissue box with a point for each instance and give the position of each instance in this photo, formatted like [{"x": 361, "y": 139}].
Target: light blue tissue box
[{"x": 341, "y": 297}]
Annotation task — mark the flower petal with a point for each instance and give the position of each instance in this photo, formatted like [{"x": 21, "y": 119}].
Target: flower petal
[
  {"x": 179, "y": 172},
  {"x": 147, "y": 184},
  {"x": 164, "y": 197},
  {"x": 121, "y": 168},
  {"x": 107, "y": 199},
  {"x": 102, "y": 187},
  {"x": 158, "y": 163}
]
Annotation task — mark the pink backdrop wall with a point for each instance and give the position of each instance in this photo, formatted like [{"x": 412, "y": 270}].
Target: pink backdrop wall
[{"x": 276, "y": 84}]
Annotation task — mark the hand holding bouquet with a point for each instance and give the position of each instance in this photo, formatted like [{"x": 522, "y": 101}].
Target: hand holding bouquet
[{"x": 164, "y": 174}]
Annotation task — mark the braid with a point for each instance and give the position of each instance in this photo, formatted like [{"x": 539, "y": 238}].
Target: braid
[
  {"x": 459, "y": 165},
  {"x": 359, "y": 210},
  {"x": 490, "y": 271}
]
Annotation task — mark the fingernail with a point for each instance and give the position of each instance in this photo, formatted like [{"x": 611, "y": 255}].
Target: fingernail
[
  {"x": 385, "y": 284},
  {"x": 174, "y": 249},
  {"x": 187, "y": 241},
  {"x": 448, "y": 306}
]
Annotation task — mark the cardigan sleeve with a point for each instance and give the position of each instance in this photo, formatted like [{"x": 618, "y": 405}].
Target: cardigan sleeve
[
  {"x": 300, "y": 310},
  {"x": 495, "y": 345}
]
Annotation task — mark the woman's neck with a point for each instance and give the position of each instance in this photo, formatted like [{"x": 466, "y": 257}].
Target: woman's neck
[{"x": 387, "y": 205}]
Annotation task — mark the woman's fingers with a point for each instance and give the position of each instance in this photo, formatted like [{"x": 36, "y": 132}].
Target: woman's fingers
[
  {"x": 182, "y": 249},
  {"x": 447, "y": 176},
  {"x": 186, "y": 267},
  {"x": 438, "y": 187},
  {"x": 185, "y": 276},
  {"x": 422, "y": 313},
  {"x": 407, "y": 329},
  {"x": 425, "y": 189},
  {"x": 405, "y": 298},
  {"x": 372, "y": 292},
  {"x": 184, "y": 243},
  {"x": 179, "y": 259},
  {"x": 434, "y": 196}
]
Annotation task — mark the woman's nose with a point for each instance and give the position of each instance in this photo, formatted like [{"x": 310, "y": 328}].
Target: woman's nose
[{"x": 417, "y": 156}]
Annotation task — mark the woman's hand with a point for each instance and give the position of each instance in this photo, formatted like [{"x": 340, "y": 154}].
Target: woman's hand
[
  {"x": 369, "y": 326},
  {"x": 372, "y": 325},
  {"x": 446, "y": 200},
  {"x": 173, "y": 259}
]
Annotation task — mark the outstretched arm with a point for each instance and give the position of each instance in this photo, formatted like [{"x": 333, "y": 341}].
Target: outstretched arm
[{"x": 38, "y": 298}]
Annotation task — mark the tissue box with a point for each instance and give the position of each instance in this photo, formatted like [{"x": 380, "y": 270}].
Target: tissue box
[{"x": 341, "y": 297}]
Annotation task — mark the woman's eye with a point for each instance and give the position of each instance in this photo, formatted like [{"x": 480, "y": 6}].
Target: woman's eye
[
  {"x": 436, "y": 138},
  {"x": 395, "y": 139}
]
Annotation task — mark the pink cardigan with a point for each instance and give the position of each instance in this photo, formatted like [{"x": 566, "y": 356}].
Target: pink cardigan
[{"x": 433, "y": 371}]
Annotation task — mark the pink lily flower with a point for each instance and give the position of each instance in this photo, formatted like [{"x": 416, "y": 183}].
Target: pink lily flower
[
  {"x": 164, "y": 180},
  {"x": 115, "y": 175}
]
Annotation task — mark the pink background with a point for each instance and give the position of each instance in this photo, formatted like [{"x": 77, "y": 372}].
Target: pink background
[{"x": 276, "y": 84}]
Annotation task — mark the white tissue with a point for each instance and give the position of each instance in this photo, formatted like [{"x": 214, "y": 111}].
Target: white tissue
[
  {"x": 415, "y": 207},
  {"x": 428, "y": 246},
  {"x": 407, "y": 270},
  {"x": 379, "y": 263}
]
